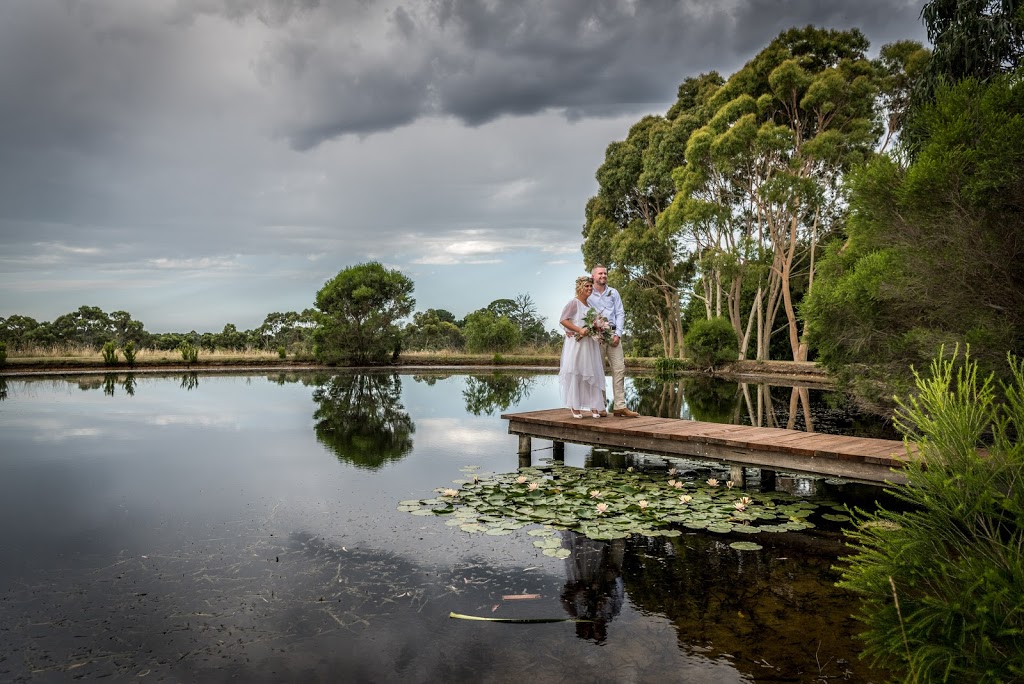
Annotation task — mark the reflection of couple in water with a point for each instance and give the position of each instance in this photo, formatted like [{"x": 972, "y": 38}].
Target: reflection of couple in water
[{"x": 594, "y": 589}]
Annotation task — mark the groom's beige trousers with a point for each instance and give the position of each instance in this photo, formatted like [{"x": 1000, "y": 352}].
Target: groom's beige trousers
[{"x": 617, "y": 363}]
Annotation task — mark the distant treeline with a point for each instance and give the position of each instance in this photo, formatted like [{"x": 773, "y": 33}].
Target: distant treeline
[
  {"x": 502, "y": 325},
  {"x": 91, "y": 327}
]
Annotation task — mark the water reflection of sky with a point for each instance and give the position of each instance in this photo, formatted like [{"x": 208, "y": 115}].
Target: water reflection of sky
[{"x": 202, "y": 530}]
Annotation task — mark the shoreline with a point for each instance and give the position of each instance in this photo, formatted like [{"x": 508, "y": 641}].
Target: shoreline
[{"x": 738, "y": 371}]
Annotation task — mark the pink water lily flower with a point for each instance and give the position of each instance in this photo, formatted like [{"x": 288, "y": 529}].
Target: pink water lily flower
[
  {"x": 729, "y": 484},
  {"x": 746, "y": 501},
  {"x": 740, "y": 506},
  {"x": 671, "y": 483},
  {"x": 533, "y": 486},
  {"x": 685, "y": 498},
  {"x": 521, "y": 479},
  {"x": 678, "y": 485},
  {"x": 602, "y": 507},
  {"x": 672, "y": 471},
  {"x": 450, "y": 492},
  {"x": 595, "y": 494},
  {"x": 712, "y": 482},
  {"x": 642, "y": 503}
]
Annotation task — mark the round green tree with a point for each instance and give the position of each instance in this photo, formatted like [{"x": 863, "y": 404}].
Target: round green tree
[{"x": 358, "y": 313}]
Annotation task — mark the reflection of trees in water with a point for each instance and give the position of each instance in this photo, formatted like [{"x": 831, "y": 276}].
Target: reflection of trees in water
[
  {"x": 430, "y": 379},
  {"x": 189, "y": 381},
  {"x": 594, "y": 589},
  {"x": 109, "y": 383},
  {"x": 701, "y": 398},
  {"x": 360, "y": 417},
  {"x": 727, "y": 602},
  {"x": 495, "y": 392},
  {"x": 765, "y": 408},
  {"x": 3, "y": 388},
  {"x": 714, "y": 400}
]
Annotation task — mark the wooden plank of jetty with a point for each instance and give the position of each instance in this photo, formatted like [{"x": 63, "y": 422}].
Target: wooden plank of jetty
[{"x": 866, "y": 459}]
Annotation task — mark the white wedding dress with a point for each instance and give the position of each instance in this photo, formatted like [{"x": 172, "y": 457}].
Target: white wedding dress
[{"x": 581, "y": 373}]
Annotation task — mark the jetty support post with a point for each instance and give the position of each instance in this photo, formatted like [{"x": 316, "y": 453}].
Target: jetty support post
[
  {"x": 738, "y": 475},
  {"x": 558, "y": 450},
  {"x": 525, "y": 451}
]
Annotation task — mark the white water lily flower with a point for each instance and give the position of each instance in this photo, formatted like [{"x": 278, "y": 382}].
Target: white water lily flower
[
  {"x": 672, "y": 471},
  {"x": 595, "y": 494},
  {"x": 729, "y": 484},
  {"x": 642, "y": 503},
  {"x": 712, "y": 482},
  {"x": 746, "y": 501},
  {"x": 678, "y": 485},
  {"x": 685, "y": 498},
  {"x": 451, "y": 492},
  {"x": 533, "y": 486},
  {"x": 602, "y": 507},
  {"x": 521, "y": 479},
  {"x": 740, "y": 506}
]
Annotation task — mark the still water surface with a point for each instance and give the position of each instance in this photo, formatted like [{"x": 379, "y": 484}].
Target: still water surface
[{"x": 215, "y": 528}]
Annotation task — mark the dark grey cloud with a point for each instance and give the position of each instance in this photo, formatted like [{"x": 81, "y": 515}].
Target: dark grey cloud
[
  {"x": 173, "y": 150},
  {"x": 478, "y": 60}
]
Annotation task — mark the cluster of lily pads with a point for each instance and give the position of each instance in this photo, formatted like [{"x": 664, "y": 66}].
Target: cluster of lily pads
[{"x": 605, "y": 504}]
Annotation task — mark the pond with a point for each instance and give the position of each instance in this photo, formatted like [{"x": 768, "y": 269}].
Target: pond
[{"x": 213, "y": 527}]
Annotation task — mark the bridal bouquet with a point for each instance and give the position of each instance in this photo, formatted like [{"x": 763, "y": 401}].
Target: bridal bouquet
[{"x": 597, "y": 326}]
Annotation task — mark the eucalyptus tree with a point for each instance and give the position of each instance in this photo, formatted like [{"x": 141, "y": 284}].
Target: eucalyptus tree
[
  {"x": 622, "y": 230},
  {"x": 762, "y": 177}
]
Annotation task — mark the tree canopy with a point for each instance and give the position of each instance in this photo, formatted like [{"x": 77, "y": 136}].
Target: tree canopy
[{"x": 359, "y": 310}]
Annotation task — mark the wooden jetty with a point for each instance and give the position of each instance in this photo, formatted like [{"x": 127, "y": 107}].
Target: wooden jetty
[{"x": 740, "y": 446}]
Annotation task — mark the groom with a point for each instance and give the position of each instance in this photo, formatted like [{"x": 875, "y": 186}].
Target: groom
[{"x": 607, "y": 302}]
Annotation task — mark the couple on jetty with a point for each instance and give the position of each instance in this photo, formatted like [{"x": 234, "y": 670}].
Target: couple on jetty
[{"x": 594, "y": 321}]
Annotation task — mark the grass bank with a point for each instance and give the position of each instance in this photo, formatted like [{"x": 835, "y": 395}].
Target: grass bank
[{"x": 65, "y": 360}]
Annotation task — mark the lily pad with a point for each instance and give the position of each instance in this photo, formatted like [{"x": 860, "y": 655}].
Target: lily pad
[{"x": 745, "y": 546}]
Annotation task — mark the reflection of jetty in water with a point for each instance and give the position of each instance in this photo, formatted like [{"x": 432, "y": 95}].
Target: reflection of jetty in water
[{"x": 360, "y": 417}]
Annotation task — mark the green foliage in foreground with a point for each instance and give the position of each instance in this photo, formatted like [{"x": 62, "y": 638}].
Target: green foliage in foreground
[
  {"x": 711, "y": 343},
  {"x": 943, "y": 583},
  {"x": 605, "y": 504}
]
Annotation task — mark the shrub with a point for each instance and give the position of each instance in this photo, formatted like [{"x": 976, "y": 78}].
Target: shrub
[
  {"x": 711, "y": 343},
  {"x": 129, "y": 352},
  {"x": 941, "y": 582},
  {"x": 281, "y": 352},
  {"x": 485, "y": 331},
  {"x": 668, "y": 368},
  {"x": 109, "y": 353},
  {"x": 3, "y": 353},
  {"x": 188, "y": 352}
]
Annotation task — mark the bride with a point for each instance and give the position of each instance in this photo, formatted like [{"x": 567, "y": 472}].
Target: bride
[{"x": 581, "y": 373}]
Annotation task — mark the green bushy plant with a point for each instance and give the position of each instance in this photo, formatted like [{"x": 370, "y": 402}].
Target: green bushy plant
[
  {"x": 3, "y": 353},
  {"x": 665, "y": 367},
  {"x": 941, "y": 582},
  {"x": 188, "y": 352},
  {"x": 129, "y": 352},
  {"x": 282, "y": 352},
  {"x": 109, "y": 353},
  {"x": 711, "y": 342}
]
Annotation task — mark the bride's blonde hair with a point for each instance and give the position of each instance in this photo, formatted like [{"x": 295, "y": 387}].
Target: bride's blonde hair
[{"x": 581, "y": 282}]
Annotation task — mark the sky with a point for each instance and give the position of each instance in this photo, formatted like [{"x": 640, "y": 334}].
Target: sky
[{"x": 204, "y": 162}]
